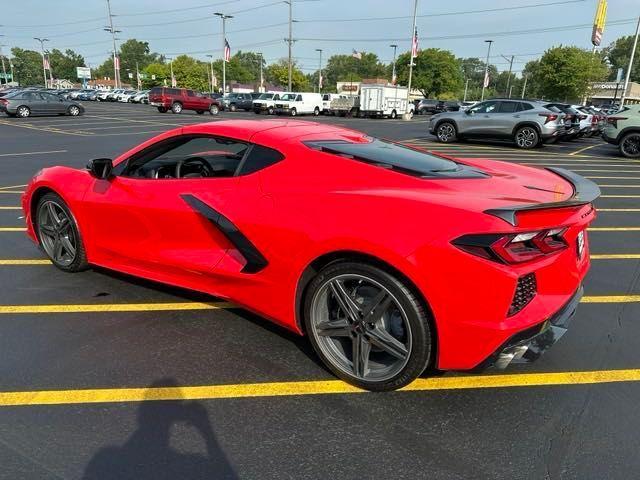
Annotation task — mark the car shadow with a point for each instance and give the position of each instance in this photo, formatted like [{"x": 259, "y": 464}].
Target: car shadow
[{"x": 149, "y": 452}]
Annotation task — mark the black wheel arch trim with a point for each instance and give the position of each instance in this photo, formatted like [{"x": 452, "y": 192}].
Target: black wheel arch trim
[
  {"x": 527, "y": 124},
  {"x": 584, "y": 192},
  {"x": 255, "y": 260},
  {"x": 446, "y": 120},
  {"x": 626, "y": 131}
]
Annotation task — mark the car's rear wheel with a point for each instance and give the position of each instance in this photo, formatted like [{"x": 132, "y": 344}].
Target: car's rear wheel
[
  {"x": 367, "y": 326},
  {"x": 393, "y": 115},
  {"x": 176, "y": 107},
  {"x": 527, "y": 137},
  {"x": 214, "y": 110},
  {"x": 630, "y": 145},
  {"x": 232, "y": 107},
  {"x": 316, "y": 112},
  {"x": 74, "y": 110},
  {"x": 446, "y": 132},
  {"x": 59, "y": 235},
  {"x": 162, "y": 109},
  {"x": 23, "y": 111}
]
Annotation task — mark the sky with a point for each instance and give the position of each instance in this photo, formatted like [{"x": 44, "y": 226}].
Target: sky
[{"x": 336, "y": 26}]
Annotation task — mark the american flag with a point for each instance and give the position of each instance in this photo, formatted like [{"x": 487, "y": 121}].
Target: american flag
[
  {"x": 227, "y": 51},
  {"x": 357, "y": 54},
  {"x": 414, "y": 44}
]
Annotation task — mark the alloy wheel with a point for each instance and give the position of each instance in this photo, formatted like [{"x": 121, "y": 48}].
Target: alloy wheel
[
  {"x": 56, "y": 233},
  {"x": 446, "y": 132},
  {"x": 361, "y": 327},
  {"x": 630, "y": 145},
  {"x": 23, "y": 111},
  {"x": 74, "y": 111},
  {"x": 526, "y": 137},
  {"x": 214, "y": 110}
]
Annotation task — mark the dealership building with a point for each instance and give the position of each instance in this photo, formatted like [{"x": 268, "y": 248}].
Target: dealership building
[{"x": 603, "y": 93}]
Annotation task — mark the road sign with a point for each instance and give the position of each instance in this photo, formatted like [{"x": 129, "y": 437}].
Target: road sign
[
  {"x": 6, "y": 76},
  {"x": 83, "y": 73},
  {"x": 598, "y": 23}
]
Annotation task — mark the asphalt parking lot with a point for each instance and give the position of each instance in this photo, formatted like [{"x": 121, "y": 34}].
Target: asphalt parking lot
[{"x": 106, "y": 376}]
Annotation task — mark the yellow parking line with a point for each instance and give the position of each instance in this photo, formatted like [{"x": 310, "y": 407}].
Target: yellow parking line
[
  {"x": 612, "y": 256},
  {"x": 10, "y": 208},
  {"x": 318, "y": 387},
  {"x": 12, "y": 191},
  {"x": 611, "y": 178},
  {"x": 50, "y": 130},
  {"x": 12, "y": 186},
  {"x": 614, "y": 229},
  {"x": 24, "y": 261},
  {"x": 183, "y": 306},
  {"x": 13, "y": 229},
  {"x": 603, "y": 171},
  {"x": 19, "y": 154},
  {"x": 586, "y": 148},
  {"x": 620, "y": 186},
  {"x": 619, "y": 196},
  {"x": 618, "y": 209}
]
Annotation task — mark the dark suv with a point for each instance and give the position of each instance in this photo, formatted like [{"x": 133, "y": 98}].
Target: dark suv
[
  {"x": 239, "y": 101},
  {"x": 179, "y": 99},
  {"x": 426, "y": 106}
]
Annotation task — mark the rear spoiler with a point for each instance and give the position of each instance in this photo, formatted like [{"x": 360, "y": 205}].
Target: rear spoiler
[{"x": 584, "y": 192}]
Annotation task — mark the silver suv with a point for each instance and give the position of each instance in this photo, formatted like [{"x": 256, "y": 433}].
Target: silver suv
[{"x": 528, "y": 123}]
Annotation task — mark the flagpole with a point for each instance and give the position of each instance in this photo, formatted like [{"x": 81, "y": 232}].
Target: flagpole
[
  {"x": 485, "y": 84},
  {"x": 407, "y": 115},
  {"x": 224, "y": 50}
]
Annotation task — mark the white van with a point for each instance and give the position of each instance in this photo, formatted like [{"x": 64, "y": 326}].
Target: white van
[
  {"x": 266, "y": 102},
  {"x": 299, "y": 104}
]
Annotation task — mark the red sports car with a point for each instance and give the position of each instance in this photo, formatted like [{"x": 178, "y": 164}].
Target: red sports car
[{"x": 391, "y": 259}]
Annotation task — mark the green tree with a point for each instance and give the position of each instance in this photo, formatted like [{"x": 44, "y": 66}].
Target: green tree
[
  {"x": 346, "y": 67},
  {"x": 105, "y": 70},
  {"x": 472, "y": 69},
  {"x": 278, "y": 74},
  {"x": 134, "y": 51},
  {"x": 436, "y": 72},
  {"x": 158, "y": 70},
  {"x": 190, "y": 73},
  {"x": 618, "y": 54},
  {"x": 27, "y": 65},
  {"x": 236, "y": 71},
  {"x": 565, "y": 73},
  {"x": 250, "y": 63},
  {"x": 63, "y": 64}
]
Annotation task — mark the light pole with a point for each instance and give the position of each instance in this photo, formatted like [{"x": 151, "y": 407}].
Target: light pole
[
  {"x": 171, "y": 71},
  {"x": 211, "y": 67},
  {"x": 633, "y": 53},
  {"x": 524, "y": 86},
  {"x": 509, "y": 77},
  {"x": 486, "y": 70},
  {"x": 261, "y": 74},
  {"x": 466, "y": 88},
  {"x": 407, "y": 115},
  {"x": 290, "y": 39},
  {"x": 224, "y": 49},
  {"x": 393, "y": 72},
  {"x": 4, "y": 69},
  {"x": 319, "y": 50},
  {"x": 44, "y": 65},
  {"x": 116, "y": 60}
]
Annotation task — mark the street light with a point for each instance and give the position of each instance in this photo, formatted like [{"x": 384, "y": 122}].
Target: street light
[
  {"x": 486, "y": 70},
  {"x": 319, "y": 50},
  {"x": 224, "y": 48},
  {"x": 116, "y": 60},
  {"x": 393, "y": 73},
  {"x": 44, "y": 66}
]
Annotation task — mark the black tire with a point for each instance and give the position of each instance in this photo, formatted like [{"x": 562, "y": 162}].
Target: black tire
[
  {"x": 74, "y": 111},
  {"x": 630, "y": 145},
  {"x": 232, "y": 107},
  {"x": 23, "y": 111},
  {"x": 214, "y": 110},
  {"x": 293, "y": 112},
  {"x": 257, "y": 112},
  {"x": 162, "y": 109},
  {"x": 316, "y": 112},
  {"x": 393, "y": 115},
  {"x": 199, "y": 112},
  {"x": 446, "y": 132},
  {"x": 414, "y": 328},
  {"x": 79, "y": 259},
  {"x": 176, "y": 107},
  {"x": 526, "y": 137},
  {"x": 270, "y": 110}
]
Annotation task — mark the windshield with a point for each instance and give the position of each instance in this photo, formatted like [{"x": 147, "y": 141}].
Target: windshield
[
  {"x": 266, "y": 96},
  {"x": 288, "y": 96}
]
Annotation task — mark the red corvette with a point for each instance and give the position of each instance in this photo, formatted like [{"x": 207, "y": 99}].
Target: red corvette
[{"x": 390, "y": 259}]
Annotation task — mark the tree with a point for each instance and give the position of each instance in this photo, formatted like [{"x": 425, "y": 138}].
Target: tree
[
  {"x": 249, "y": 62},
  {"x": 27, "y": 65},
  {"x": 618, "y": 54},
  {"x": 565, "y": 73},
  {"x": 436, "y": 72},
  {"x": 158, "y": 70},
  {"x": 472, "y": 69},
  {"x": 190, "y": 73},
  {"x": 133, "y": 51},
  {"x": 278, "y": 73},
  {"x": 105, "y": 70},
  {"x": 63, "y": 65},
  {"x": 235, "y": 70},
  {"x": 346, "y": 67}
]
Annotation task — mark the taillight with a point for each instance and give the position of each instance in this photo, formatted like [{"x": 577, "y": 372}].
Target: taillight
[
  {"x": 514, "y": 247},
  {"x": 4, "y": 101},
  {"x": 614, "y": 120},
  {"x": 550, "y": 117}
]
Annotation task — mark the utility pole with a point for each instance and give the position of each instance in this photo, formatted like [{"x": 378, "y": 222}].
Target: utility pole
[
  {"x": 4, "y": 69},
  {"x": 290, "y": 39},
  {"x": 393, "y": 71},
  {"x": 524, "y": 86},
  {"x": 486, "y": 69},
  {"x": 633, "y": 53},
  {"x": 509, "y": 77},
  {"x": 319, "y": 50},
  {"x": 466, "y": 88},
  {"x": 224, "y": 48},
  {"x": 171, "y": 72},
  {"x": 116, "y": 60},
  {"x": 407, "y": 114},
  {"x": 212, "y": 74},
  {"x": 44, "y": 66},
  {"x": 261, "y": 74}
]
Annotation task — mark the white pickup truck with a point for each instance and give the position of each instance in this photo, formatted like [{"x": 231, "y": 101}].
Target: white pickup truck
[{"x": 267, "y": 102}]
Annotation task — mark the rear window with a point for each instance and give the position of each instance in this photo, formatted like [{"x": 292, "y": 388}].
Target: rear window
[
  {"x": 393, "y": 156},
  {"x": 155, "y": 91},
  {"x": 259, "y": 157}
]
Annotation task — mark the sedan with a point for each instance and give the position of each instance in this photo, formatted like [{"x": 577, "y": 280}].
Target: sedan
[
  {"x": 25, "y": 104},
  {"x": 391, "y": 260}
]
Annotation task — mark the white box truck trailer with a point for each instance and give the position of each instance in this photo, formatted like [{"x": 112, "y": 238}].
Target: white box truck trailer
[{"x": 383, "y": 101}]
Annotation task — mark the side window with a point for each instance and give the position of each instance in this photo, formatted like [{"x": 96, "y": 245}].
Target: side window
[
  {"x": 190, "y": 93},
  {"x": 526, "y": 106},
  {"x": 259, "y": 157},
  {"x": 486, "y": 107},
  {"x": 299, "y": 98},
  {"x": 325, "y": 97},
  {"x": 188, "y": 157},
  {"x": 276, "y": 97},
  {"x": 508, "y": 107}
]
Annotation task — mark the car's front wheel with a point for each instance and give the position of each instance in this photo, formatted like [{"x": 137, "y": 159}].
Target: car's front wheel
[
  {"x": 59, "y": 235},
  {"x": 74, "y": 110},
  {"x": 446, "y": 132},
  {"x": 23, "y": 111},
  {"x": 214, "y": 110},
  {"x": 630, "y": 145},
  {"x": 293, "y": 112},
  {"x": 527, "y": 137},
  {"x": 367, "y": 326}
]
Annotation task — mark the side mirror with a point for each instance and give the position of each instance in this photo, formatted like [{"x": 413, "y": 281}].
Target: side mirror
[{"x": 100, "y": 168}]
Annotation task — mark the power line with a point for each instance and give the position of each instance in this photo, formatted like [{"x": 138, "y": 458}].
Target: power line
[{"x": 157, "y": 12}]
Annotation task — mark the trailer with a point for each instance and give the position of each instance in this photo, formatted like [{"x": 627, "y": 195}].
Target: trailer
[
  {"x": 384, "y": 101},
  {"x": 345, "y": 105}
]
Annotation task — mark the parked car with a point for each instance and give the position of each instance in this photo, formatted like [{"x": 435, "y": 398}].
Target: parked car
[
  {"x": 571, "y": 119},
  {"x": 126, "y": 96},
  {"x": 102, "y": 95},
  {"x": 239, "y": 101},
  {"x": 265, "y": 103},
  {"x": 141, "y": 97},
  {"x": 527, "y": 122},
  {"x": 384, "y": 101},
  {"x": 179, "y": 99},
  {"x": 588, "y": 121},
  {"x": 338, "y": 252},
  {"x": 622, "y": 129},
  {"x": 27, "y": 103},
  {"x": 87, "y": 95},
  {"x": 448, "y": 106},
  {"x": 427, "y": 106},
  {"x": 303, "y": 103}
]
